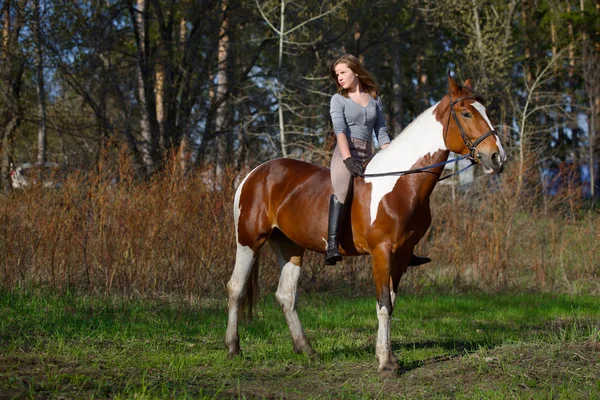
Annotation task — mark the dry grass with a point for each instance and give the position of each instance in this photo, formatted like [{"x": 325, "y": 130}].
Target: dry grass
[{"x": 104, "y": 232}]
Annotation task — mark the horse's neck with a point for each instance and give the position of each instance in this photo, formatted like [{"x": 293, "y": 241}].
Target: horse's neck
[{"x": 420, "y": 144}]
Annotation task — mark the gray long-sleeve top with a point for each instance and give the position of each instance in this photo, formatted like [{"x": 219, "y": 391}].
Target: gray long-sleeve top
[{"x": 357, "y": 121}]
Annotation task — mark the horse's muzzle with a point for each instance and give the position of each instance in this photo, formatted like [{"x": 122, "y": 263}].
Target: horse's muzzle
[{"x": 492, "y": 164}]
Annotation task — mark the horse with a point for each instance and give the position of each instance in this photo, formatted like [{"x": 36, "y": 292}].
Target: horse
[{"x": 285, "y": 202}]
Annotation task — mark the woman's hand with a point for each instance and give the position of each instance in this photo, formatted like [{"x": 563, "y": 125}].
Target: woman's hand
[{"x": 354, "y": 166}]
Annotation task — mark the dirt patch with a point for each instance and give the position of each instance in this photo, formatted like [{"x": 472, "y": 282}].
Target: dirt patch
[{"x": 519, "y": 370}]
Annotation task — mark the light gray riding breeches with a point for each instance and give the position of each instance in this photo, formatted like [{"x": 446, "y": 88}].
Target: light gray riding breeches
[{"x": 340, "y": 176}]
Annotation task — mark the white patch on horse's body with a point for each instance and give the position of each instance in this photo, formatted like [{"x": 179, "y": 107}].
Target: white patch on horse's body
[
  {"x": 236, "y": 201},
  {"x": 244, "y": 259},
  {"x": 421, "y": 137}
]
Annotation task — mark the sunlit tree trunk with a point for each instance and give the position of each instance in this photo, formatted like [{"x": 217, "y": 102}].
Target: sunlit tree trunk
[
  {"x": 184, "y": 152},
  {"x": 479, "y": 43},
  {"x": 279, "y": 83},
  {"x": 571, "y": 70},
  {"x": 11, "y": 74},
  {"x": 42, "y": 140},
  {"x": 146, "y": 97},
  {"x": 222, "y": 91},
  {"x": 160, "y": 105}
]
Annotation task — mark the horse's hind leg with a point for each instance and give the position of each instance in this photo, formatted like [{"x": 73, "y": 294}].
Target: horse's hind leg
[
  {"x": 245, "y": 260},
  {"x": 289, "y": 255}
]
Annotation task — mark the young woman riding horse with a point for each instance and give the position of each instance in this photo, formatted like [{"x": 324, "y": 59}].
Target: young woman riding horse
[
  {"x": 283, "y": 202},
  {"x": 356, "y": 112}
]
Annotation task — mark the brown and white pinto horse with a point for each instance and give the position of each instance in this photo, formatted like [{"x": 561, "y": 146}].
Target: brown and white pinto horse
[{"x": 285, "y": 202}]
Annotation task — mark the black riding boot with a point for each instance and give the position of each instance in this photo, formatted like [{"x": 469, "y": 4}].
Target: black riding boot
[{"x": 336, "y": 212}]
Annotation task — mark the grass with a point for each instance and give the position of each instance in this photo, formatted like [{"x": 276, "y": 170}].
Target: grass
[{"x": 465, "y": 346}]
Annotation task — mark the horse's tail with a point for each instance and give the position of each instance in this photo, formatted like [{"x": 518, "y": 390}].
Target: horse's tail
[{"x": 252, "y": 292}]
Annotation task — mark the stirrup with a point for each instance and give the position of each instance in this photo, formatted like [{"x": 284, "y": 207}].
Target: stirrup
[
  {"x": 332, "y": 256},
  {"x": 416, "y": 261}
]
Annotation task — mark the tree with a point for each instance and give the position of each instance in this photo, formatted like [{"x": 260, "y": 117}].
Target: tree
[
  {"x": 41, "y": 157},
  {"x": 11, "y": 75},
  {"x": 270, "y": 15}
]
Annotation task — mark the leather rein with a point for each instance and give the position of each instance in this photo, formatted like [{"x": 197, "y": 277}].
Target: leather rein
[{"x": 472, "y": 146}]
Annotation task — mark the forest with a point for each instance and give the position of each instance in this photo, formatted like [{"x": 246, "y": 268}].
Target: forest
[
  {"x": 127, "y": 125},
  {"x": 153, "y": 111},
  {"x": 234, "y": 83}
]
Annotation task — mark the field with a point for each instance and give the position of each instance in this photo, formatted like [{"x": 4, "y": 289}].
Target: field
[
  {"x": 460, "y": 346},
  {"x": 118, "y": 291}
]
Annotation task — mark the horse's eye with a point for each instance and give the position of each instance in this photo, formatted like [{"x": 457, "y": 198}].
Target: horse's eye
[{"x": 466, "y": 114}]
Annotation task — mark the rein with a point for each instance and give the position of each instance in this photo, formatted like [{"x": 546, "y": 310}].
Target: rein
[
  {"x": 472, "y": 146},
  {"x": 413, "y": 171}
]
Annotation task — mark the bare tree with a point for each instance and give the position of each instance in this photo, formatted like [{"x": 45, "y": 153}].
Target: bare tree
[
  {"x": 529, "y": 109},
  {"x": 269, "y": 14}
]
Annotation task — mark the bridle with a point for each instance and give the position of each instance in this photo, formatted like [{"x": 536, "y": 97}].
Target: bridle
[{"x": 472, "y": 146}]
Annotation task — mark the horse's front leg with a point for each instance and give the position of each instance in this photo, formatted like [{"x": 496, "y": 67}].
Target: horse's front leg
[
  {"x": 381, "y": 258},
  {"x": 398, "y": 269}
]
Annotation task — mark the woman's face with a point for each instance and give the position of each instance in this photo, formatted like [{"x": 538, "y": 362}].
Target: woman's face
[{"x": 345, "y": 76}]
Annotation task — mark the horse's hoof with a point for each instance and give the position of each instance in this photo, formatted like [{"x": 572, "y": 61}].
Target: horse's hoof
[
  {"x": 234, "y": 350},
  {"x": 309, "y": 351},
  {"x": 233, "y": 354},
  {"x": 388, "y": 370}
]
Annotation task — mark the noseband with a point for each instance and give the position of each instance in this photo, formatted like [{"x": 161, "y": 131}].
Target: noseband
[{"x": 472, "y": 146}]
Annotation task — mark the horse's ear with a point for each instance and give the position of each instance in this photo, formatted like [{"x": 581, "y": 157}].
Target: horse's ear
[
  {"x": 453, "y": 87},
  {"x": 468, "y": 84}
]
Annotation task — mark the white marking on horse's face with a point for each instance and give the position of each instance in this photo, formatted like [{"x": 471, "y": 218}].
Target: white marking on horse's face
[
  {"x": 421, "y": 137},
  {"x": 481, "y": 108},
  {"x": 502, "y": 152}
]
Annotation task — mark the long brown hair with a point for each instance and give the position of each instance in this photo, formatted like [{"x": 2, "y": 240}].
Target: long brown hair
[{"x": 367, "y": 82}]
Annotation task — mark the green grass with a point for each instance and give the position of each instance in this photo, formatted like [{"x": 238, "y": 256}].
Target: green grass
[{"x": 464, "y": 346}]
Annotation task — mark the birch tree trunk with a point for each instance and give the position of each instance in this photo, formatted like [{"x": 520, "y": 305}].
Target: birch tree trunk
[
  {"x": 149, "y": 130},
  {"x": 279, "y": 85},
  {"x": 221, "y": 92},
  {"x": 42, "y": 140},
  {"x": 184, "y": 153},
  {"x": 160, "y": 105},
  {"x": 11, "y": 70}
]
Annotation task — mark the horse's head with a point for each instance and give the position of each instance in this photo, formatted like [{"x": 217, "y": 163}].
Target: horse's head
[{"x": 468, "y": 130}]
